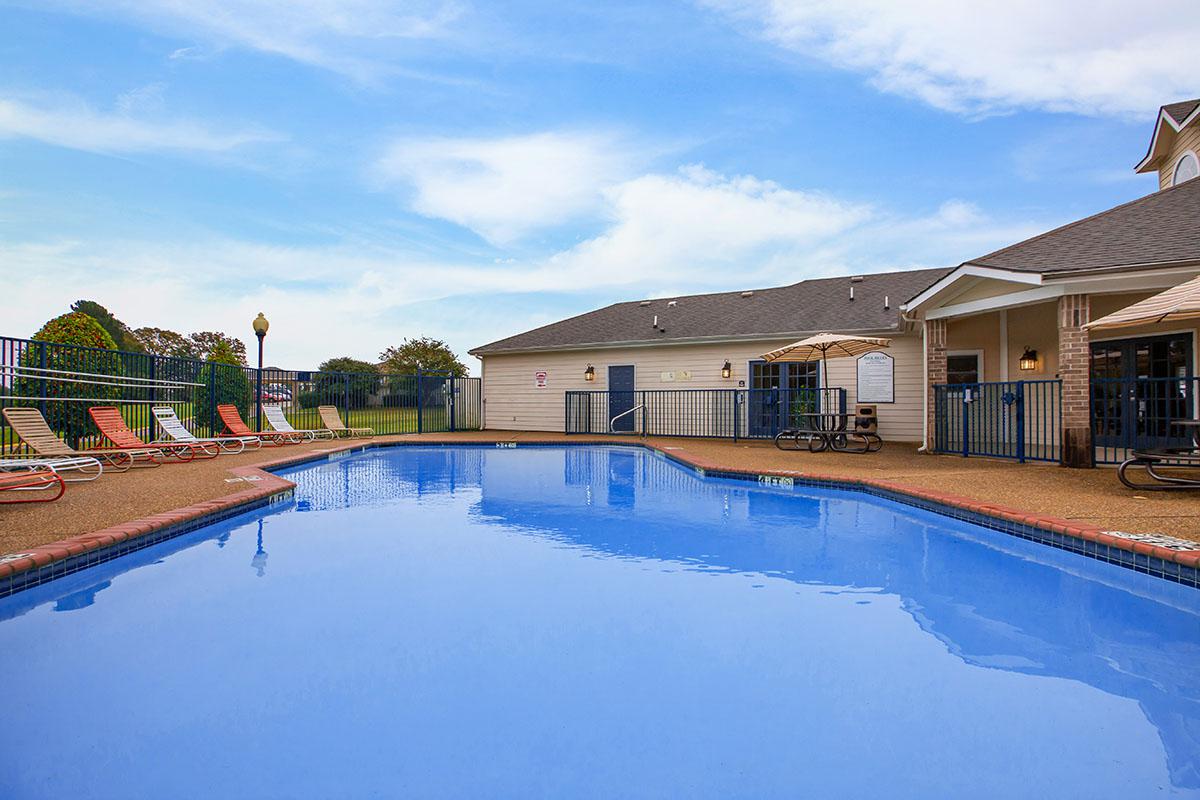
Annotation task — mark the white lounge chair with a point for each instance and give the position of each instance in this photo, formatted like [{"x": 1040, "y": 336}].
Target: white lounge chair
[
  {"x": 173, "y": 427},
  {"x": 72, "y": 469},
  {"x": 277, "y": 420}
]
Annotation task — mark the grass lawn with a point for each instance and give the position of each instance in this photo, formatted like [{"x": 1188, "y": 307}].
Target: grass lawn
[{"x": 381, "y": 420}]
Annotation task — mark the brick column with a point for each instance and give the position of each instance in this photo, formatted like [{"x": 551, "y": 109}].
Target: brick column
[
  {"x": 935, "y": 369},
  {"x": 1074, "y": 368}
]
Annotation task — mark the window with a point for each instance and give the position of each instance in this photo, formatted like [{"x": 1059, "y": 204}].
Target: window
[
  {"x": 962, "y": 368},
  {"x": 777, "y": 375},
  {"x": 1186, "y": 168}
]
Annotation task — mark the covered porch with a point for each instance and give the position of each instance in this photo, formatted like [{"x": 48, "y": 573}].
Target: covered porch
[{"x": 1013, "y": 370}]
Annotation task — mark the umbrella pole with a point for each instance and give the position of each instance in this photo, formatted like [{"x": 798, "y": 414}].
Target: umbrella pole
[{"x": 823, "y": 379}]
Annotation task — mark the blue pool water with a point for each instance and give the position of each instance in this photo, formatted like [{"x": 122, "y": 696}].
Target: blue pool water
[{"x": 596, "y": 622}]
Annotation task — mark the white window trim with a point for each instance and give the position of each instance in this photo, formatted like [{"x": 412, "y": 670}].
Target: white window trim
[{"x": 1178, "y": 161}]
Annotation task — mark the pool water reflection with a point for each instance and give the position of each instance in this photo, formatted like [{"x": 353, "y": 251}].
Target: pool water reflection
[{"x": 596, "y": 622}]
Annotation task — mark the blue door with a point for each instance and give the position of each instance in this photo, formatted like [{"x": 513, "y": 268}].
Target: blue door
[
  {"x": 778, "y": 393},
  {"x": 620, "y": 397}
]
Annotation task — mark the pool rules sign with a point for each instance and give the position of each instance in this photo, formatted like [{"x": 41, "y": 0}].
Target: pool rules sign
[
  {"x": 876, "y": 378},
  {"x": 541, "y": 379}
]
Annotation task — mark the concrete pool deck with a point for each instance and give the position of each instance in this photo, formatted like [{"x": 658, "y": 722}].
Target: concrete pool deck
[{"x": 124, "y": 506}]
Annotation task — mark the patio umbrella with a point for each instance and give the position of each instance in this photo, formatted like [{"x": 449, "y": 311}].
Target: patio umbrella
[
  {"x": 821, "y": 346},
  {"x": 1175, "y": 304}
]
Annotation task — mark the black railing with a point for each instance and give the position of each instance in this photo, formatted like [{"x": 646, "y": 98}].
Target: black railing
[
  {"x": 697, "y": 413},
  {"x": 63, "y": 381},
  {"x": 1138, "y": 414},
  {"x": 1021, "y": 420}
]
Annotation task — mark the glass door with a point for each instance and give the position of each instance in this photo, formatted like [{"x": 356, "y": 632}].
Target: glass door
[
  {"x": 778, "y": 393},
  {"x": 1139, "y": 386}
]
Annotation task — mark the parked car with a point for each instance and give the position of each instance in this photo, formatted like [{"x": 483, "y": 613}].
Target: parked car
[{"x": 276, "y": 393}]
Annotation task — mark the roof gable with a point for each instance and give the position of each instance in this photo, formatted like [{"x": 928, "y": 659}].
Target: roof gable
[{"x": 1172, "y": 118}]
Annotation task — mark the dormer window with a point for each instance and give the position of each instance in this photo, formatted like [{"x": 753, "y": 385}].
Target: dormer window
[{"x": 1186, "y": 168}]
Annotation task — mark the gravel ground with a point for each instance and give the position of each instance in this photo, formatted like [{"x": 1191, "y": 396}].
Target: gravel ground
[{"x": 1092, "y": 495}]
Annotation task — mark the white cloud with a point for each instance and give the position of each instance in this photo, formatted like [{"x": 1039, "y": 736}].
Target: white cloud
[
  {"x": 991, "y": 56},
  {"x": 689, "y": 231},
  {"x": 699, "y": 225},
  {"x": 505, "y": 188},
  {"x": 74, "y": 124},
  {"x": 346, "y": 36},
  {"x": 151, "y": 97}
]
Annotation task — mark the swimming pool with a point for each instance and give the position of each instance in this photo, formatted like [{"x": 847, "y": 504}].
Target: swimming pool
[{"x": 596, "y": 622}]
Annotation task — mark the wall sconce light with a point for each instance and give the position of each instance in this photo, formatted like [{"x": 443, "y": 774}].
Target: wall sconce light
[
  {"x": 727, "y": 369},
  {"x": 1029, "y": 360},
  {"x": 589, "y": 374}
]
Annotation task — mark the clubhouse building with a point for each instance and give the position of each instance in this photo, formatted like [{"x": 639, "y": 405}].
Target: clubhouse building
[{"x": 992, "y": 357}]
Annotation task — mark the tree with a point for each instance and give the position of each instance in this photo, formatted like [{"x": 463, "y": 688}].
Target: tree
[
  {"x": 342, "y": 379},
  {"x": 204, "y": 342},
  {"x": 224, "y": 382},
  {"x": 348, "y": 364},
  {"x": 68, "y": 416},
  {"x": 119, "y": 331},
  {"x": 163, "y": 342},
  {"x": 425, "y": 354}
]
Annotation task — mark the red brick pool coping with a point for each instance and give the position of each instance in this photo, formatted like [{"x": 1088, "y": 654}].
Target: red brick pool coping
[{"x": 268, "y": 485}]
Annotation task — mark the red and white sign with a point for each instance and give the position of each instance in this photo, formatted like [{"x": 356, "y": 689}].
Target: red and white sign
[{"x": 541, "y": 379}]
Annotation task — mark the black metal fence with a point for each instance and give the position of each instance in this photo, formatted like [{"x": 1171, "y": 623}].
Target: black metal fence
[
  {"x": 63, "y": 381},
  {"x": 698, "y": 413},
  {"x": 1021, "y": 420},
  {"x": 1139, "y": 413}
]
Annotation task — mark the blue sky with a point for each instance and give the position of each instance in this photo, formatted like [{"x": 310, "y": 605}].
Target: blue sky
[{"x": 365, "y": 171}]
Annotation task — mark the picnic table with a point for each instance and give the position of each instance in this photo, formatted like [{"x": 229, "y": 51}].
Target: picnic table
[{"x": 828, "y": 430}]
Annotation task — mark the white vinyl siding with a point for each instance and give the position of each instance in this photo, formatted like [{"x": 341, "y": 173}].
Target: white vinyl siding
[
  {"x": 513, "y": 402},
  {"x": 1187, "y": 139}
]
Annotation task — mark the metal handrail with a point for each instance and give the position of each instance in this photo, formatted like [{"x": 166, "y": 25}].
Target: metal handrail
[{"x": 613, "y": 421}]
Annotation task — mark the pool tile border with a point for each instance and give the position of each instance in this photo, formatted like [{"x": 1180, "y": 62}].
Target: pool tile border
[{"x": 47, "y": 562}]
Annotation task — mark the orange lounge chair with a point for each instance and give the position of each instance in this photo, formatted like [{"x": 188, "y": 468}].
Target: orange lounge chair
[
  {"x": 110, "y": 422},
  {"x": 13, "y": 486},
  {"x": 233, "y": 423},
  {"x": 35, "y": 433}
]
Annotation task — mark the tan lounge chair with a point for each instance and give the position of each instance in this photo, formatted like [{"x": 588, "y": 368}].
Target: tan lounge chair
[
  {"x": 31, "y": 427},
  {"x": 333, "y": 422},
  {"x": 277, "y": 420}
]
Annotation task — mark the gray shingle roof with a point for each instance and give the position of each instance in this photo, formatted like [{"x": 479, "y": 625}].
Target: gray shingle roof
[
  {"x": 1180, "y": 111},
  {"x": 806, "y": 307},
  {"x": 1160, "y": 228}
]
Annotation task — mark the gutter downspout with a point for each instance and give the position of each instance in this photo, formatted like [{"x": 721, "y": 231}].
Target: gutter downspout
[{"x": 924, "y": 448}]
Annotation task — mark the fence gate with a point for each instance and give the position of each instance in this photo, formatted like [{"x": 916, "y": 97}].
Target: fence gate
[{"x": 1020, "y": 420}]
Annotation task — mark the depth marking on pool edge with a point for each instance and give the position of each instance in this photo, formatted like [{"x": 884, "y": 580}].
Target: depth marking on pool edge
[
  {"x": 506, "y": 445},
  {"x": 776, "y": 480}
]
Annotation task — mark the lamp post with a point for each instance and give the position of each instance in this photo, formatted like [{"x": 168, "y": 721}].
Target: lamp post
[{"x": 260, "y": 326}]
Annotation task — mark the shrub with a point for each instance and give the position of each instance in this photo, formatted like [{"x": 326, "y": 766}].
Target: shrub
[
  {"x": 68, "y": 417},
  {"x": 224, "y": 382}
]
